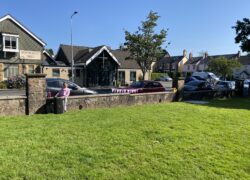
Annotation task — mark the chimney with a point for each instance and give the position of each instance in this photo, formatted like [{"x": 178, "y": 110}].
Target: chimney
[
  {"x": 206, "y": 55},
  {"x": 238, "y": 54},
  {"x": 184, "y": 53},
  {"x": 190, "y": 55}
]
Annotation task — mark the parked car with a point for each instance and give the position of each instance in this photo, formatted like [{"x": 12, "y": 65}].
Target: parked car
[
  {"x": 197, "y": 86},
  {"x": 55, "y": 84},
  {"x": 188, "y": 79},
  {"x": 205, "y": 76},
  {"x": 141, "y": 87},
  {"x": 225, "y": 85},
  {"x": 164, "y": 78}
]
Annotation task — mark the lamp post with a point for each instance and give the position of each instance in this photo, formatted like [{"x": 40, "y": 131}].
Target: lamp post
[{"x": 72, "y": 51}]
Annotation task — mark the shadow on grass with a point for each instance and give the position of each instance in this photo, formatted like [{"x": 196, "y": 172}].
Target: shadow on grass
[{"x": 233, "y": 103}]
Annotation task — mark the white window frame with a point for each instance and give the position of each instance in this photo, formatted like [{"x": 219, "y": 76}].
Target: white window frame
[
  {"x": 11, "y": 36},
  {"x": 9, "y": 70}
]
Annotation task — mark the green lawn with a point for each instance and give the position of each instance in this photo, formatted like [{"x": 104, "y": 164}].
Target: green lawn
[{"x": 164, "y": 141}]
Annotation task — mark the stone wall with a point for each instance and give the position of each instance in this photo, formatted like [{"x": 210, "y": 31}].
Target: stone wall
[
  {"x": 115, "y": 100},
  {"x": 14, "y": 105},
  {"x": 36, "y": 93}
]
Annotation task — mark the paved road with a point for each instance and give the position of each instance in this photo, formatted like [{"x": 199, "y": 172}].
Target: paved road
[{"x": 12, "y": 92}]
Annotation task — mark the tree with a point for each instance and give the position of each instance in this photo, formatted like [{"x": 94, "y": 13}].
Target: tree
[
  {"x": 145, "y": 46},
  {"x": 242, "y": 29},
  {"x": 50, "y": 51},
  {"x": 222, "y": 66}
]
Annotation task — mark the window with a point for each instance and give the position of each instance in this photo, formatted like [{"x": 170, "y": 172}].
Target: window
[
  {"x": 193, "y": 67},
  {"x": 138, "y": 84},
  {"x": 78, "y": 72},
  {"x": 10, "y": 43},
  {"x": 31, "y": 69},
  {"x": 72, "y": 86},
  {"x": 133, "y": 76},
  {"x": 10, "y": 70},
  {"x": 56, "y": 72},
  {"x": 149, "y": 85},
  {"x": 53, "y": 83},
  {"x": 121, "y": 77},
  {"x": 188, "y": 67},
  {"x": 69, "y": 73},
  {"x": 156, "y": 84}
]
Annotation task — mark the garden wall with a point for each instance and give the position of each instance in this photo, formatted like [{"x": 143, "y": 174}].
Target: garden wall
[
  {"x": 12, "y": 105},
  {"x": 115, "y": 100},
  {"x": 35, "y": 101}
]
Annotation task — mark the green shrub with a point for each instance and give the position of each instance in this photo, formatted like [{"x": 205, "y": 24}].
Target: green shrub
[
  {"x": 157, "y": 75},
  {"x": 3, "y": 85},
  {"x": 16, "y": 82}
]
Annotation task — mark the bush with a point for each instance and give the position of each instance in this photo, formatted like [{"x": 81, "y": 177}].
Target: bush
[
  {"x": 16, "y": 82},
  {"x": 3, "y": 85},
  {"x": 157, "y": 75}
]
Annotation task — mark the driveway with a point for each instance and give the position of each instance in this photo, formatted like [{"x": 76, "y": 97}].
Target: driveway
[{"x": 12, "y": 92}]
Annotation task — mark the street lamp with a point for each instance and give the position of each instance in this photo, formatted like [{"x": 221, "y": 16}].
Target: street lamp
[{"x": 72, "y": 53}]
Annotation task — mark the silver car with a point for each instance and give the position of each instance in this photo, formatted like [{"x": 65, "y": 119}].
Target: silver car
[{"x": 54, "y": 85}]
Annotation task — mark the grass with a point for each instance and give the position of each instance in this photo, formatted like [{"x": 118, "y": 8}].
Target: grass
[{"x": 164, "y": 141}]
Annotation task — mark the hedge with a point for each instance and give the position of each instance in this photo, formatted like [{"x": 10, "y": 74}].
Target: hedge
[{"x": 157, "y": 75}]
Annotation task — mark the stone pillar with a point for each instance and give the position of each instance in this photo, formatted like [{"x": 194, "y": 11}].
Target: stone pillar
[
  {"x": 178, "y": 83},
  {"x": 1, "y": 71},
  {"x": 36, "y": 93}
]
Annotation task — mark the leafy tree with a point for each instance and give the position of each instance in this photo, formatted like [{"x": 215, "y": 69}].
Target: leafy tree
[
  {"x": 50, "y": 51},
  {"x": 222, "y": 66},
  {"x": 242, "y": 29},
  {"x": 145, "y": 46}
]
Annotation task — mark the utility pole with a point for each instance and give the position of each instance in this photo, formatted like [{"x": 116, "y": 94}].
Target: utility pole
[{"x": 72, "y": 51}]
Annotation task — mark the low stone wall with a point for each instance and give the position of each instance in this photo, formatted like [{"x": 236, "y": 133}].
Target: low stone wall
[
  {"x": 110, "y": 100},
  {"x": 12, "y": 105},
  {"x": 115, "y": 100}
]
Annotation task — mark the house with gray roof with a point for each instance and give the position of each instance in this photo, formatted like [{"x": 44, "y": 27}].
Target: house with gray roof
[
  {"x": 21, "y": 51},
  {"x": 200, "y": 63},
  {"x": 244, "y": 71},
  {"x": 94, "y": 66},
  {"x": 129, "y": 70},
  {"x": 171, "y": 64}
]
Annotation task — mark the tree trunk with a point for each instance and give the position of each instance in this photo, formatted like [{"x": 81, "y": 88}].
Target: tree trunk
[{"x": 143, "y": 75}]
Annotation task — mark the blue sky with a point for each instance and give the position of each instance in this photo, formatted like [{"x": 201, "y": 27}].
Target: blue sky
[{"x": 194, "y": 25}]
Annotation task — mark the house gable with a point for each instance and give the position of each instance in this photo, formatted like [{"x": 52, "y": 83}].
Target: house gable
[
  {"x": 26, "y": 42},
  {"x": 22, "y": 27}
]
